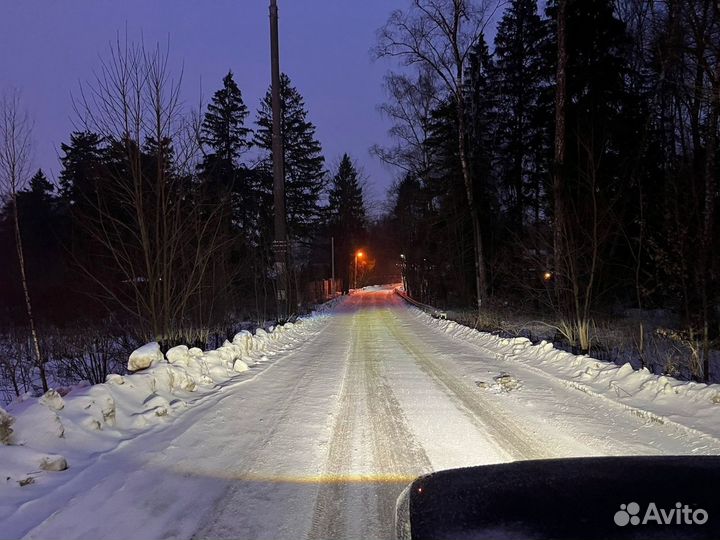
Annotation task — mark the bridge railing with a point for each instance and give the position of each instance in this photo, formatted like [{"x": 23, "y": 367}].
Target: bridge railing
[{"x": 430, "y": 310}]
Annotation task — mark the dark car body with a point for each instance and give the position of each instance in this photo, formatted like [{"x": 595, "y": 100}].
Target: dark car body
[{"x": 580, "y": 498}]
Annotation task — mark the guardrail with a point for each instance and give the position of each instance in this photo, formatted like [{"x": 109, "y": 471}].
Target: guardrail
[{"x": 430, "y": 310}]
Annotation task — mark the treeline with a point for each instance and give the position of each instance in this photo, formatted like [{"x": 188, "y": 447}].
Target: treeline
[
  {"x": 162, "y": 219},
  {"x": 571, "y": 164}
]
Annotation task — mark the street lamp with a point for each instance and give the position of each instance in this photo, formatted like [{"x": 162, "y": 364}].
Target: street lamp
[{"x": 358, "y": 255}]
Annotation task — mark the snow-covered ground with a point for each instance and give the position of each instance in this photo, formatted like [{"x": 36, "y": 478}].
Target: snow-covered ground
[{"x": 316, "y": 438}]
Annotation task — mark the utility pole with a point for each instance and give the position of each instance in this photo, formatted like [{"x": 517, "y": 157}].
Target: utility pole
[
  {"x": 280, "y": 244},
  {"x": 332, "y": 254}
]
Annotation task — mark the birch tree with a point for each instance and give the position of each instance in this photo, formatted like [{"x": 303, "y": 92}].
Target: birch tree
[
  {"x": 15, "y": 148},
  {"x": 440, "y": 36}
]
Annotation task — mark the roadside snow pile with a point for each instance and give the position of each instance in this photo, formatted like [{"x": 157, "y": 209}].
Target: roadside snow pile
[
  {"x": 145, "y": 356},
  {"x": 66, "y": 427},
  {"x": 688, "y": 405}
]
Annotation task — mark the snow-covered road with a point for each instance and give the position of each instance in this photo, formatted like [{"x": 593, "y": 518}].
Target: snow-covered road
[{"x": 319, "y": 442}]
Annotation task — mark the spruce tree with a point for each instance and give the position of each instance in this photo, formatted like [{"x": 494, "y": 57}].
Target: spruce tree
[
  {"x": 303, "y": 159},
  {"x": 346, "y": 205},
  {"x": 42, "y": 231},
  {"x": 346, "y": 214},
  {"x": 225, "y": 178},
  {"x": 38, "y": 217},
  {"x": 81, "y": 164},
  {"x": 520, "y": 77},
  {"x": 445, "y": 260},
  {"x": 223, "y": 128}
]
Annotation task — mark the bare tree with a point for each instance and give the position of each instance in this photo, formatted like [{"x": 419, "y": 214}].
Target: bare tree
[
  {"x": 15, "y": 147},
  {"x": 440, "y": 36},
  {"x": 410, "y": 109},
  {"x": 161, "y": 234}
]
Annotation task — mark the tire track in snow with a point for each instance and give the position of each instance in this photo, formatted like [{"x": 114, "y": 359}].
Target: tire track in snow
[
  {"x": 506, "y": 433},
  {"x": 370, "y": 428},
  {"x": 216, "y": 524},
  {"x": 710, "y": 443}
]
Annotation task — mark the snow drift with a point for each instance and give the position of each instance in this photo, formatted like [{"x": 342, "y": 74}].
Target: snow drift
[
  {"x": 690, "y": 406},
  {"x": 44, "y": 434}
]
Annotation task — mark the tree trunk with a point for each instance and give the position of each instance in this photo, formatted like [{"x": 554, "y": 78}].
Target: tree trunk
[
  {"x": 26, "y": 292},
  {"x": 559, "y": 239},
  {"x": 709, "y": 215},
  {"x": 480, "y": 275}
]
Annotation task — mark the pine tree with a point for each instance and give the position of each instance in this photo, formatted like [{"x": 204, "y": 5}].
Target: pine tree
[
  {"x": 480, "y": 125},
  {"x": 589, "y": 179},
  {"x": 303, "y": 159},
  {"x": 43, "y": 230},
  {"x": 40, "y": 186},
  {"x": 223, "y": 128},
  {"x": 81, "y": 166},
  {"x": 447, "y": 232},
  {"x": 38, "y": 214},
  {"x": 225, "y": 178},
  {"x": 520, "y": 76},
  {"x": 346, "y": 214},
  {"x": 346, "y": 206}
]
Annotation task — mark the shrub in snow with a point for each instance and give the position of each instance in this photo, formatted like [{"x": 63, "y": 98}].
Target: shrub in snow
[
  {"x": 195, "y": 351},
  {"x": 178, "y": 355},
  {"x": 53, "y": 400},
  {"x": 6, "y": 422},
  {"x": 145, "y": 356}
]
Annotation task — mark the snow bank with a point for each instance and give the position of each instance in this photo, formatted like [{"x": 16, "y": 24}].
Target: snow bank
[
  {"x": 178, "y": 355},
  {"x": 144, "y": 357},
  {"x": 41, "y": 436},
  {"x": 689, "y": 406}
]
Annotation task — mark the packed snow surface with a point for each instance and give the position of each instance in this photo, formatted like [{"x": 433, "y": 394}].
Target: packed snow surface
[{"x": 311, "y": 430}]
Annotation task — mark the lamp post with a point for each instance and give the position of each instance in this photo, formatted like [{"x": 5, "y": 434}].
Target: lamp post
[{"x": 358, "y": 255}]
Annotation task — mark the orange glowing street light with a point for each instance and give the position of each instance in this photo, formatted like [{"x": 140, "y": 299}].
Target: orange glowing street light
[{"x": 358, "y": 255}]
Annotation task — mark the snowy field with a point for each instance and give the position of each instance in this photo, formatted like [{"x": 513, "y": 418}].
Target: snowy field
[{"x": 313, "y": 429}]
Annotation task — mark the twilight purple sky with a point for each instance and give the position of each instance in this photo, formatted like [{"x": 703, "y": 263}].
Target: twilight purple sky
[{"x": 50, "y": 46}]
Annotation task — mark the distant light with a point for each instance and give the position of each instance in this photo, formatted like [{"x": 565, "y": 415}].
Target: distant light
[
  {"x": 402, "y": 255},
  {"x": 359, "y": 254},
  {"x": 547, "y": 276}
]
